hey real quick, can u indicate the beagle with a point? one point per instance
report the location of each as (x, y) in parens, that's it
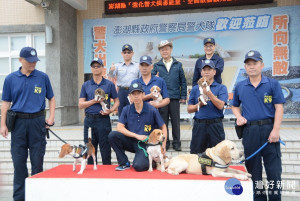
(80, 153)
(214, 161)
(203, 83)
(156, 91)
(100, 96)
(154, 149)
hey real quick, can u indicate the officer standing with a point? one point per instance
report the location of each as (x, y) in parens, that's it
(262, 111)
(95, 117)
(172, 72)
(148, 81)
(209, 49)
(27, 89)
(208, 129)
(135, 124)
(125, 72)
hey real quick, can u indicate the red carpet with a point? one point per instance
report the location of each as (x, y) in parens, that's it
(108, 172)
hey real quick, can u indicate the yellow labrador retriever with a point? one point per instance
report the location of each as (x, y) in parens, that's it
(216, 162)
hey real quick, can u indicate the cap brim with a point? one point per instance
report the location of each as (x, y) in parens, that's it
(96, 62)
(209, 66)
(255, 59)
(145, 63)
(136, 90)
(32, 59)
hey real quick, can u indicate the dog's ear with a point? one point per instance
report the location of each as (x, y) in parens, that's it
(158, 89)
(152, 88)
(152, 137)
(225, 154)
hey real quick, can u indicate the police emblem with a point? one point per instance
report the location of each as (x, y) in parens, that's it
(135, 85)
(207, 61)
(144, 58)
(126, 46)
(250, 54)
(95, 59)
(209, 39)
(33, 53)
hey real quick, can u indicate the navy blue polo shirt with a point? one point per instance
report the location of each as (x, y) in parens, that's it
(27, 94)
(154, 81)
(88, 92)
(142, 123)
(219, 63)
(209, 111)
(258, 103)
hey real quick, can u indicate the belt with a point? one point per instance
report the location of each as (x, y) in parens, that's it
(94, 116)
(261, 122)
(30, 115)
(208, 121)
(126, 88)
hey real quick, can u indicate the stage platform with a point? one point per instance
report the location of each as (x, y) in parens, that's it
(106, 184)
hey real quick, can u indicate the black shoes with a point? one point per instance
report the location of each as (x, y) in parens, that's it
(177, 148)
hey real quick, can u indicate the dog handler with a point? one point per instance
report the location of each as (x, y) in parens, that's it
(208, 129)
(148, 80)
(262, 110)
(95, 117)
(137, 121)
(27, 89)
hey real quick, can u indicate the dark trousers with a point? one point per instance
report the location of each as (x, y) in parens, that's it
(121, 143)
(172, 110)
(29, 134)
(122, 95)
(206, 135)
(100, 129)
(254, 137)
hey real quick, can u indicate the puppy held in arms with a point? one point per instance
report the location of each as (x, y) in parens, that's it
(156, 92)
(214, 161)
(81, 153)
(100, 96)
(154, 149)
(203, 83)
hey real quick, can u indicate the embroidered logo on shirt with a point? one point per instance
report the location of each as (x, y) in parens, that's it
(106, 96)
(147, 128)
(267, 99)
(37, 90)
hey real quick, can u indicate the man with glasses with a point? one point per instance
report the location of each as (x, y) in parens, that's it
(209, 49)
(95, 117)
(125, 72)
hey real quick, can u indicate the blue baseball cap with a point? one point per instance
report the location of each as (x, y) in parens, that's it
(209, 40)
(146, 59)
(29, 54)
(254, 55)
(209, 63)
(127, 47)
(97, 60)
(136, 87)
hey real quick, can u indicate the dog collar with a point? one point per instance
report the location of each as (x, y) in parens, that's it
(205, 160)
(83, 150)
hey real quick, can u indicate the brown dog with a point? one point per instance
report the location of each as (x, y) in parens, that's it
(154, 149)
(100, 96)
(222, 155)
(156, 91)
(75, 152)
(203, 83)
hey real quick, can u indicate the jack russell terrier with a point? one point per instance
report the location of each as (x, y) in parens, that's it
(154, 149)
(80, 153)
(203, 83)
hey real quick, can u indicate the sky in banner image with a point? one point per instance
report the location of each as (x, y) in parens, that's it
(272, 31)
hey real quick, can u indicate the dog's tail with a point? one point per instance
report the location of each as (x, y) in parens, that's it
(90, 140)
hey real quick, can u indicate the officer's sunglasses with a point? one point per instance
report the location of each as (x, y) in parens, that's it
(127, 52)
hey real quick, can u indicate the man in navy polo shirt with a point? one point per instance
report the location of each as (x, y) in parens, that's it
(135, 124)
(148, 81)
(208, 128)
(95, 117)
(27, 89)
(262, 111)
(209, 49)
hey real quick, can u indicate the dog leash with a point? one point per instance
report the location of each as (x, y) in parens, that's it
(242, 161)
(48, 137)
(140, 147)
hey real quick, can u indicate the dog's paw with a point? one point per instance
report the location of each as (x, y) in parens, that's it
(150, 169)
(241, 177)
(79, 173)
(162, 170)
(95, 168)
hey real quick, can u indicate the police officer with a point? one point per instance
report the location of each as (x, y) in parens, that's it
(135, 124)
(262, 111)
(208, 128)
(95, 117)
(148, 81)
(27, 89)
(172, 72)
(125, 72)
(209, 49)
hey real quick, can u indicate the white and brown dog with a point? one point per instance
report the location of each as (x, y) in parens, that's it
(154, 149)
(156, 91)
(216, 162)
(203, 83)
(100, 96)
(78, 155)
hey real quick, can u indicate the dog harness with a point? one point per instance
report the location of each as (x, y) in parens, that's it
(83, 151)
(147, 145)
(204, 160)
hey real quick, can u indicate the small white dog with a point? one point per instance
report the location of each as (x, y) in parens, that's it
(203, 83)
(100, 96)
(154, 149)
